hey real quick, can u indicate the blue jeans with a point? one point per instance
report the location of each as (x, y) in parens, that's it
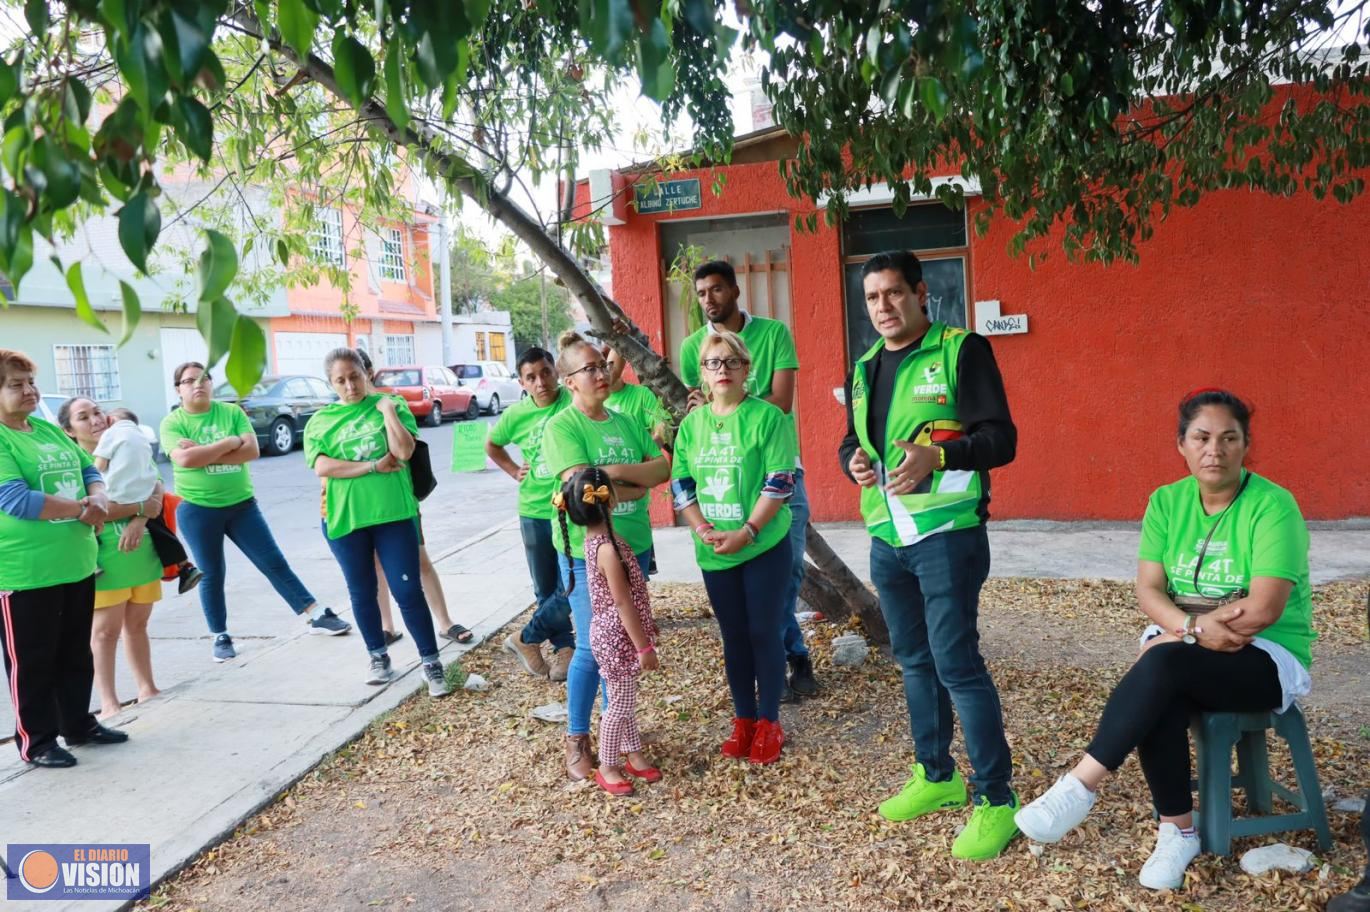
(551, 622)
(799, 510)
(205, 529)
(582, 678)
(750, 608)
(930, 597)
(396, 544)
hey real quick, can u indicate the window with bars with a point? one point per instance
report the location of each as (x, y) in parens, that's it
(399, 350)
(392, 255)
(480, 347)
(497, 347)
(328, 237)
(91, 371)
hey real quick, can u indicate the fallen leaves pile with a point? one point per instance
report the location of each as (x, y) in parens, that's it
(464, 803)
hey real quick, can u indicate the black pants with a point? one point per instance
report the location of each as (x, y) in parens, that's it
(45, 636)
(169, 549)
(1149, 711)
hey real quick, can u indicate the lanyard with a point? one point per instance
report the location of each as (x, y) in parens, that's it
(1203, 549)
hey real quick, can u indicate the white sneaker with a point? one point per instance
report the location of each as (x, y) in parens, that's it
(1164, 870)
(436, 677)
(1057, 811)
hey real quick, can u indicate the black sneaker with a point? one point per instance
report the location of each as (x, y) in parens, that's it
(190, 577)
(802, 681)
(329, 624)
(98, 734)
(223, 648)
(786, 694)
(651, 566)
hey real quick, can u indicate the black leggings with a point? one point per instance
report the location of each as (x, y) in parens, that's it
(1149, 711)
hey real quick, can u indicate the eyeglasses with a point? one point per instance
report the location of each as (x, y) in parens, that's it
(601, 368)
(731, 364)
(202, 380)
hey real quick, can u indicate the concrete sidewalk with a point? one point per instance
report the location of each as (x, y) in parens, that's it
(215, 749)
(218, 747)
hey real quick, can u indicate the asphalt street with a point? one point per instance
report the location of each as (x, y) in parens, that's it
(288, 492)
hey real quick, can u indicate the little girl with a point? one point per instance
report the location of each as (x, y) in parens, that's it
(622, 632)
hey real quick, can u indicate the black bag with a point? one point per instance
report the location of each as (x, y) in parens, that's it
(421, 470)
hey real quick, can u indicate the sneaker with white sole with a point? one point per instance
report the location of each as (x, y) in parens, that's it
(381, 671)
(1164, 870)
(223, 648)
(436, 676)
(1056, 811)
(329, 624)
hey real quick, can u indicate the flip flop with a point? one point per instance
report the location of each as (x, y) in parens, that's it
(458, 634)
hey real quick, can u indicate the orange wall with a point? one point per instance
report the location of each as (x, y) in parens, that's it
(1254, 293)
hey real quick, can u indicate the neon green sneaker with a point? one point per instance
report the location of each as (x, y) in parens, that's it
(919, 796)
(991, 828)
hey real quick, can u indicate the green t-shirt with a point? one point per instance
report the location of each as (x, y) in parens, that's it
(1261, 534)
(771, 347)
(571, 439)
(522, 425)
(44, 552)
(640, 404)
(356, 433)
(217, 485)
(124, 570)
(729, 458)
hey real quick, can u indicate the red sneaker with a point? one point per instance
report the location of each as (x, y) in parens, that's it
(767, 742)
(740, 742)
(620, 789)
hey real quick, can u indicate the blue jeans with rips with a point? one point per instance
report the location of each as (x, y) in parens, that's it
(396, 545)
(582, 677)
(799, 524)
(551, 622)
(205, 529)
(930, 597)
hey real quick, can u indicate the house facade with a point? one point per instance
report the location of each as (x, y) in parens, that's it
(1254, 293)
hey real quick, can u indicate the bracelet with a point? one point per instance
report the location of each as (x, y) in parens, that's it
(142, 504)
(703, 527)
(644, 651)
(372, 470)
(751, 530)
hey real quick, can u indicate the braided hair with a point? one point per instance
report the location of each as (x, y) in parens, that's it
(574, 507)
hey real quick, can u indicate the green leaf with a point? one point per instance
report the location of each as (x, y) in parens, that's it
(476, 11)
(197, 127)
(934, 96)
(218, 266)
(76, 101)
(139, 225)
(216, 321)
(246, 356)
(78, 291)
(396, 104)
(115, 12)
(353, 67)
(191, 44)
(63, 176)
(9, 81)
(133, 311)
(21, 255)
(654, 62)
(283, 252)
(16, 141)
(298, 23)
(610, 24)
(36, 12)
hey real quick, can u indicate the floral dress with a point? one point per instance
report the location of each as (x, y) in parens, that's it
(609, 641)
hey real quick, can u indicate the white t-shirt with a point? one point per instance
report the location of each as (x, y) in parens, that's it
(132, 475)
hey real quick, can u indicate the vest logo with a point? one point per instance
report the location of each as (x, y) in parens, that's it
(79, 871)
(931, 389)
(930, 373)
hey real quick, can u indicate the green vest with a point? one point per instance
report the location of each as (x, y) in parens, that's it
(924, 412)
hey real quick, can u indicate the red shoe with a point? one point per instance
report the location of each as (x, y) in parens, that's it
(767, 742)
(650, 774)
(619, 789)
(740, 742)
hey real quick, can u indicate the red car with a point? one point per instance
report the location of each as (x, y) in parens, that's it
(430, 392)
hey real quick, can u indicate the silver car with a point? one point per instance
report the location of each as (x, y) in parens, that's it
(495, 387)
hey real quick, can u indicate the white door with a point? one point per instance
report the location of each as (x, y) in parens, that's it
(180, 345)
(303, 352)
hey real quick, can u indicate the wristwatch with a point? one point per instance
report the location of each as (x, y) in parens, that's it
(1187, 635)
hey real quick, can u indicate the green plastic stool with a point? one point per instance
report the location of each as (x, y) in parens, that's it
(1215, 737)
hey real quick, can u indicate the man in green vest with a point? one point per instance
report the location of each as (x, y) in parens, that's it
(927, 418)
(773, 376)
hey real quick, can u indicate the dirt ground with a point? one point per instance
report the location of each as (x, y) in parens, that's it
(463, 804)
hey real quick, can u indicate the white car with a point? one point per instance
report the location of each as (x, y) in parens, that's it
(49, 403)
(495, 387)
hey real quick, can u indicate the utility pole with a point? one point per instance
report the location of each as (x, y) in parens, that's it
(542, 287)
(445, 273)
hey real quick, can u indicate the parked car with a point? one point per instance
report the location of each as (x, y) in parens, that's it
(494, 385)
(431, 393)
(279, 408)
(49, 403)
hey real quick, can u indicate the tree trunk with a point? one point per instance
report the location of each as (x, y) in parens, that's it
(836, 590)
